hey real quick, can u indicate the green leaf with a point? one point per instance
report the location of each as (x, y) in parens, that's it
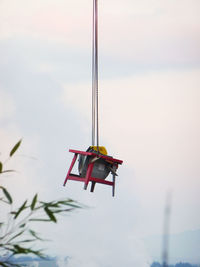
(69, 203)
(40, 220)
(8, 196)
(18, 234)
(62, 210)
(15, 148)
(72, 205)
(8, 171)
(50, 204)
(3, 264)
(20, 209)
(34, 202)
(1, 167)
(50, 214)
(34, 234)
(22, 225)
(27, 241)
(21, 250)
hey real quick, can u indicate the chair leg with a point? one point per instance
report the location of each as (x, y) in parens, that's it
(88, 174)
(113, 187)
(92, 187)
(70, 169)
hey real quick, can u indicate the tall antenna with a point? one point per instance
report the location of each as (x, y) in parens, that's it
(165, 252)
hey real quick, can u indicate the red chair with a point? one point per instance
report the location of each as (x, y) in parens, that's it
(94, 168)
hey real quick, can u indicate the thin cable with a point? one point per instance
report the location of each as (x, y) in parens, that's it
(96, 73)
(95, 107)
(93, 76)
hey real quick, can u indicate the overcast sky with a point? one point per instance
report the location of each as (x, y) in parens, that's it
(149, 70)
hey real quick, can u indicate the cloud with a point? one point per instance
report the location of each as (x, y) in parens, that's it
(6, 105)
(62, 261)
(148, 118)
(163, 34)
(148, 32)
(22, 161)
(102, 236)
(57, 21)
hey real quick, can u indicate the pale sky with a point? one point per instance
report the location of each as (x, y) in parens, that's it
(149, 70)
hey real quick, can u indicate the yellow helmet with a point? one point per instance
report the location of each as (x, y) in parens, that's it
(102, 149)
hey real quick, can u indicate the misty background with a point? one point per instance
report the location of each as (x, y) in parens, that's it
(149, 117)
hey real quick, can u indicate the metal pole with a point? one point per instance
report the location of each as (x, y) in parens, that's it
(95, 107)
(93, 75)
(96, 72)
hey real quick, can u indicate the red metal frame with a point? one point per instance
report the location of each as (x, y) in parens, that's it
(88, 178)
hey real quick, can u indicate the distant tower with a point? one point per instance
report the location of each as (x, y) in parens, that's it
(165, 252)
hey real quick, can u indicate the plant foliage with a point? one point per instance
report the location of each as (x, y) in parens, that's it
(17, 235)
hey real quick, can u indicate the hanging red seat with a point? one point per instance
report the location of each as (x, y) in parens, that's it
(93, 167)
(94, 164)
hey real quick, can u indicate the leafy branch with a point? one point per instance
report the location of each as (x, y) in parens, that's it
(16, 233)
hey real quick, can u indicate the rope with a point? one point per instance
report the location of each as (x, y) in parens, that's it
(95, 106)
(93, 77)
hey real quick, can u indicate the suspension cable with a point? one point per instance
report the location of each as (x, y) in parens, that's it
(93, 76)
(95, 106)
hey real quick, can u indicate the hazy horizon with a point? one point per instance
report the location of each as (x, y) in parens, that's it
(149, 90)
